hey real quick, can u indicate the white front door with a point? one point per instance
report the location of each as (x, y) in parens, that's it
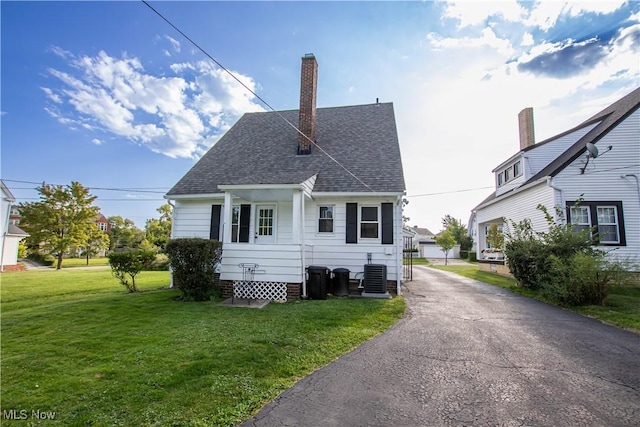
(265, 224)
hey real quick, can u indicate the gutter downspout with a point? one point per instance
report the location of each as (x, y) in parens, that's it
(399, 249)
(637, 181)
(304, 249)
(173, 212)
(550, 185)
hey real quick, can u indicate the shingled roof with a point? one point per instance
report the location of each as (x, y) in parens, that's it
(261, 148)
(607, 120)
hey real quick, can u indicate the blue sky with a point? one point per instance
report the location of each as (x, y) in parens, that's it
(110, 95)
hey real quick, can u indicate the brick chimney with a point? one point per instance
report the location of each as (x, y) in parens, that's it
(308, 93)
(525, 121)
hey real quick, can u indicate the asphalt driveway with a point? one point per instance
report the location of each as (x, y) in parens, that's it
(468, 354)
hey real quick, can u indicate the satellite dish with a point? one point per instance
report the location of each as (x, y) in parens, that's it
(592, 149)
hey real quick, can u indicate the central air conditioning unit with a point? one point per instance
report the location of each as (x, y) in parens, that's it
(375, 281)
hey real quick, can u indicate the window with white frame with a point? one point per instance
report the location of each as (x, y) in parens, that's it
(606, 219)
(369, 222)
(608, 231)
(235, 223)
(517, 170)
(580, 218)
(325, 219)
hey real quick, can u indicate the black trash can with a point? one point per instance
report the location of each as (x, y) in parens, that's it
(317, 282)
(341, 282)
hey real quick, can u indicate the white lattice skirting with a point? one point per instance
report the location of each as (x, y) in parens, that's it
(248, 289)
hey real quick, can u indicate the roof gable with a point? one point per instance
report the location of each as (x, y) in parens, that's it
(608, 119)
(261, 148)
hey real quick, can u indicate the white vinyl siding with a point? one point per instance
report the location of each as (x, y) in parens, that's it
(603, 181)
(282, 261)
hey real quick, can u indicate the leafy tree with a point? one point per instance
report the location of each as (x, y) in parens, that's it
(446, 241)
(459, 232)
(63, 219)
(97, 241)
(405, 219)
(158, 230)
(495, 238)
(127, 265)
(124, 233)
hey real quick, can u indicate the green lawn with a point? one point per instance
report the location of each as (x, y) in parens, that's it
(75, 343)
(82, 262)
(416, 261)
(622, 306)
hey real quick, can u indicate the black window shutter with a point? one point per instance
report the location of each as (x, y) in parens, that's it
(387, 223)
(214, 233)
(352, 223)
(245, 216)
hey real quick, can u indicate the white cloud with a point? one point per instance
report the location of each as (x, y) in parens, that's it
(175, 44)
(96, 141)
(52, 96)
(541, 14)
(488, 39)
(177, 116)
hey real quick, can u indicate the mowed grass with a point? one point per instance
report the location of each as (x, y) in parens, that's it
(82, 262)
(74, 343)
(621, 307)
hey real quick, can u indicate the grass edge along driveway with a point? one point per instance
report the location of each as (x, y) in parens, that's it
(621, 308)
(76, 345)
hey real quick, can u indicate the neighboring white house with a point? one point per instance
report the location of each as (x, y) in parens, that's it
(277, 200)
(11, 234)
(598, 161)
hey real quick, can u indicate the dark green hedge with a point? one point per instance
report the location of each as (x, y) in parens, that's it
(193, 262)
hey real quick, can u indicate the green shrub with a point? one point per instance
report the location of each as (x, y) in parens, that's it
(193, 262)
(464, 254)
(127, 265)
(582, 279)
(561, 262)
(473, 257)
(160, 263)
(527, 261)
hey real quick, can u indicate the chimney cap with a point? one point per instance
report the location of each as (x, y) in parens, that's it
(309, 55)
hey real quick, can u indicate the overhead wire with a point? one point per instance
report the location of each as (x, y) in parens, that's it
(257, 96)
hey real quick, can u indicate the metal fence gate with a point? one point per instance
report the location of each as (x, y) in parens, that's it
(407, 258)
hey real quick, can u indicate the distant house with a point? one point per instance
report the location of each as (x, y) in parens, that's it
(103, 223)
(11, 234)
(598, 161)
(281, 203)
(424, 242)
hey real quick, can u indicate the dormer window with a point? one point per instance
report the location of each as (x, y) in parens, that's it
(509, 173)
(516, 169)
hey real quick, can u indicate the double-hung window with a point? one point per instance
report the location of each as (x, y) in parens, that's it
(325, 219)
(603, 218)
(580, 218)
(608, 230)
(369, 222)
(235, 223)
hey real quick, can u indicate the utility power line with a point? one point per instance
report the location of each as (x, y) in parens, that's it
(257, 96)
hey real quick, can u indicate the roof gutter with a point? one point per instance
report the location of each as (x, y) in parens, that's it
(515, 191)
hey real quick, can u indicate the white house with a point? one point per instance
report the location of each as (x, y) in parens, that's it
(278, 200)
(598, 161)
(11, 234)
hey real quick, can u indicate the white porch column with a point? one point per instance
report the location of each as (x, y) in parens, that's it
(226, 222)
(297, 217)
